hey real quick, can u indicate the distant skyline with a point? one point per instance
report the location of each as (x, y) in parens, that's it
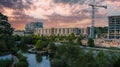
(57, 13)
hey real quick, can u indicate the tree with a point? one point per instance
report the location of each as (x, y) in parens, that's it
(91, 42)
(117, 63)
(5, 28)
(14, 50)
(52, 47)
(5, 63)
(5, 34)
(79, 40)
(17, 37)
(72, 36)
(60, 50)
(58, 63)
(10, 42)
(23, 46)
(101, 60)
(28, 39)
(38, 58)
(39, 45)
(3, 46)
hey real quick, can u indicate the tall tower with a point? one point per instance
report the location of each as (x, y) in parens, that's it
(93, 5)
(93, 20)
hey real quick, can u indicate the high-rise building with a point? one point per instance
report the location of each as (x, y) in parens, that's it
(114, 27)
(31, 26)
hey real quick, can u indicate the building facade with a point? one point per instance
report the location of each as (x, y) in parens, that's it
(31, 26)
(19, 32)
(114, 27)
(60, 31)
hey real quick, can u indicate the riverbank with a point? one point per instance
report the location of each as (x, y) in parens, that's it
(21, 61)
(4, 53)
(7, 56)
(6, 60)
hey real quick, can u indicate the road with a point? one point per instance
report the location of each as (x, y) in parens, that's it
(101, 49)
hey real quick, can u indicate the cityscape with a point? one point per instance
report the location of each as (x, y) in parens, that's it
(59, 33)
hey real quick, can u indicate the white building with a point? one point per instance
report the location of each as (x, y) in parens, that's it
(59, 31)
(19, 32)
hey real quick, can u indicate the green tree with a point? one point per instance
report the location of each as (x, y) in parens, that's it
(79, 40)
(21, 64)
(14, 50)
(5, 34)
(39, 45)
(52, 47)
(58, 63)
(71, 38)
(88, 59)
(5, 63)
(23, 46)
(17, 37)
(60, 50)
(38, 58)
(101, 60)
(117, 63)
(10, 42)
(3, 47)
(5, 28)
(91, 42)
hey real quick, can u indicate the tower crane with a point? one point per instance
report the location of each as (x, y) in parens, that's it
(93, 5)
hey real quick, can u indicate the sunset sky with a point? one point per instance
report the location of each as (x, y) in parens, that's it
(57, 13)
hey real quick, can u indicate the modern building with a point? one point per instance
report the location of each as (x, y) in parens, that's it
(114, 27)
(60, 31)
(85, 31)
(30, 27)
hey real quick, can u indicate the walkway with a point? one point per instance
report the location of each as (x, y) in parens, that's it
(16, 60)
(102, 49)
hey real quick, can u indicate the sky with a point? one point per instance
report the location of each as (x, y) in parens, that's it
(57, 13)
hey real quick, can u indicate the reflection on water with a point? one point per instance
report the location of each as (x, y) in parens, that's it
(37, 60)
(6, 57)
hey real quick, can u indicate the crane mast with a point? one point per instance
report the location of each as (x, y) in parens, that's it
(93, 5)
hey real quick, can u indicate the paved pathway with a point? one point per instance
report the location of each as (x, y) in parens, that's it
(15, 60)
(103, 49)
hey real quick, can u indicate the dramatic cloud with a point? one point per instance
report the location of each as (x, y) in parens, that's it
(70, 1)
(16, 4)
(57, 13)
